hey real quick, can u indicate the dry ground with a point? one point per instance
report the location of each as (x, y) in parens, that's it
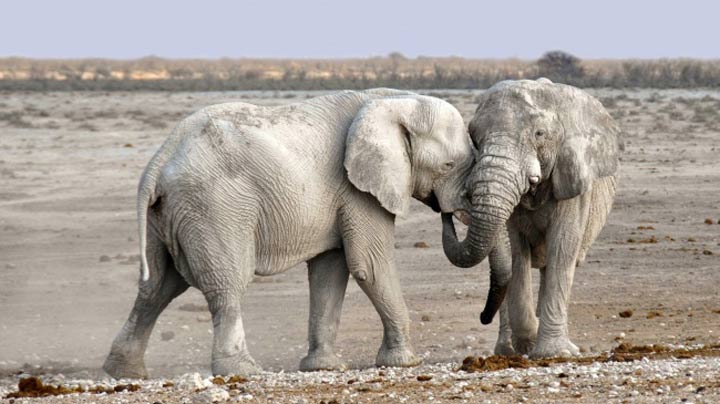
(69, 165)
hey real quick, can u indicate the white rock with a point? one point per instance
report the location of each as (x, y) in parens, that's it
(211, 395)
(191, 381)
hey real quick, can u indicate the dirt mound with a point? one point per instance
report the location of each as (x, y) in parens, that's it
(625, 352)
(34, 387)
(491, 363)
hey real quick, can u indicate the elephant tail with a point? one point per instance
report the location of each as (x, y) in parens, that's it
(148, 194)
(150, 187)
(146, 197)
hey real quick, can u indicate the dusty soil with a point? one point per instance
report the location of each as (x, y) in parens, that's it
(69, 165)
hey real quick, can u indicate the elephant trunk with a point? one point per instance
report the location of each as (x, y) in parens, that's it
(493, 203)
(500, 273)
(498, 182)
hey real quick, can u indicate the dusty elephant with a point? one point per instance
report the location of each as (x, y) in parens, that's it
(548, 154)
(239, 190)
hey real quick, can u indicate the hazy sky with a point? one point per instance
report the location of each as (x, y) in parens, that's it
(359, 28)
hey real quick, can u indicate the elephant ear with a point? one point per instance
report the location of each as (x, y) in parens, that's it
(377, 152)
(589, 149)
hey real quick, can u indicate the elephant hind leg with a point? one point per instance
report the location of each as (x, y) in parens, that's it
(222, 265)
(328, 275)
(128, 349)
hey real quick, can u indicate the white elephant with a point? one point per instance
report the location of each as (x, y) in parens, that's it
(548, 154)
(239, 190)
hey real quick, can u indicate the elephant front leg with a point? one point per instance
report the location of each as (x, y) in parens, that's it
(328, 275)
(369, 241)
(383, 289)
(504, 345)
(563, 245)
(521, 313)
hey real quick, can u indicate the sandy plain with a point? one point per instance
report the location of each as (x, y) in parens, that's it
(69, 166)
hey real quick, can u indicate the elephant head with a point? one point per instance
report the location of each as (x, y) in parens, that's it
(536, 140)
(403, 146)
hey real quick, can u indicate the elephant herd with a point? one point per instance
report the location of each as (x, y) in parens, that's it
(239, 190)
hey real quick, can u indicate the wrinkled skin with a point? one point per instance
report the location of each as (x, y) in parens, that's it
(545, 174)
(239, 190)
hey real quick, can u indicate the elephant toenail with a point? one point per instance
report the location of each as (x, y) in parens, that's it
(534, 179)
(360, 275)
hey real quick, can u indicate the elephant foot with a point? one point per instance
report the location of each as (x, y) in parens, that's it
(397, 357)
(121, 368)
(560, 347)
(523, 345)
(321, 361)
(504, 348)
(235, 366)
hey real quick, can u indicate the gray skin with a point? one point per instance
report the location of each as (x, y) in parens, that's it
(239, 190)
(548, 154)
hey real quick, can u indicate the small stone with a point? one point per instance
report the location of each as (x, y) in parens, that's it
(211, 395)
(424, 378)
(421, 244)
(708, 221)
(167, 335)
(105, 258)
(626, 313)
(425, 317)
(191, 381)
(707, 252)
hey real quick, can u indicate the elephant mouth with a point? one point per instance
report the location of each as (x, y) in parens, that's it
(463, 216)
(533, 189)
(431, 201)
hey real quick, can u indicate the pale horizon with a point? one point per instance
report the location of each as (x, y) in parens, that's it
(82, 29)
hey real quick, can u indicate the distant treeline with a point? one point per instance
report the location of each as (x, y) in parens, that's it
(395, 70)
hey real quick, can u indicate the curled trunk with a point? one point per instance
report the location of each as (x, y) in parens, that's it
(492, 207)
(495, 194)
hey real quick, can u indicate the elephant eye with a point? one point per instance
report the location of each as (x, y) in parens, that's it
(539, 133)
(449, 165)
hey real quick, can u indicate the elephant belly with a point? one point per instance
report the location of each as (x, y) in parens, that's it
(300, 236)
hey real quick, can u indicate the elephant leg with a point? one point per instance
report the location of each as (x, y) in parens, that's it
(230, 355)
(521, 313)
(384, 292)
(128, 349)
(328, 275)
(222, 264)
(368, 239)
(541, 292)
(504, 345)
(564, 239)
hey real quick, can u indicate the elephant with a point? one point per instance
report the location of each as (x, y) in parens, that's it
(544, 177)
(239, 190)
